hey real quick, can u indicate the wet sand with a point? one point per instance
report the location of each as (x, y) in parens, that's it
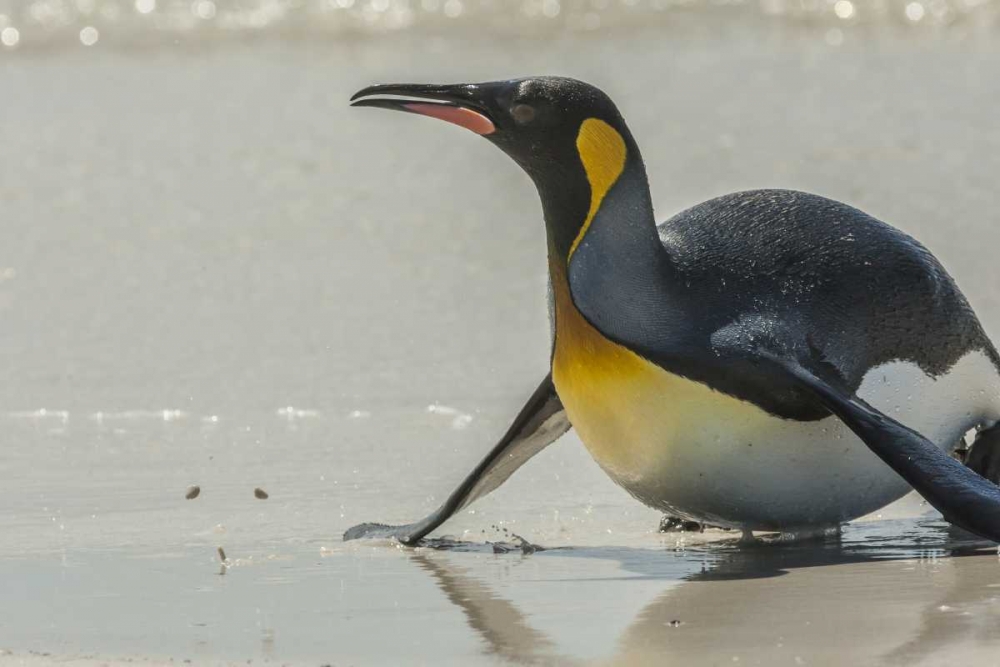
(215, 273)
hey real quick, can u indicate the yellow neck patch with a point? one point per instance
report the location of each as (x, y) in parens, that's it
(602, 152)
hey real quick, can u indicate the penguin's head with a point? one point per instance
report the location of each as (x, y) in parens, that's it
(566, 134)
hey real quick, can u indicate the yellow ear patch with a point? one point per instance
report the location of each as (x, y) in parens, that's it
(602, 151)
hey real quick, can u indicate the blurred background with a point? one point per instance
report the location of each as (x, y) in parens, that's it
(214, 272)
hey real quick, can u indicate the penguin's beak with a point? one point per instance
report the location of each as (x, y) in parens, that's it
(460, 104)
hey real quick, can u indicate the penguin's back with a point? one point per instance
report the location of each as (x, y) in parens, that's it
(856, 288)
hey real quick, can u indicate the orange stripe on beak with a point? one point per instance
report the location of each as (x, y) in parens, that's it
(467, 118)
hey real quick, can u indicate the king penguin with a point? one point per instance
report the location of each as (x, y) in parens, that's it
(766, 360)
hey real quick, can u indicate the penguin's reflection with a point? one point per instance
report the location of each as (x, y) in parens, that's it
(898, 599)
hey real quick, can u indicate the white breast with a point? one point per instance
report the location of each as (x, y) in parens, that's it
(688, 450)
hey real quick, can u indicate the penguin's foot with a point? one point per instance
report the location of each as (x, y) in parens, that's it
(674, 524)
(984, 455)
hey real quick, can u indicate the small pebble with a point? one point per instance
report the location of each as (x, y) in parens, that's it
(260, 493)
(193, 492)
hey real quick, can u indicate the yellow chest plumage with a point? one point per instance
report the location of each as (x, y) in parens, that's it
(626, 410)
(600, 384)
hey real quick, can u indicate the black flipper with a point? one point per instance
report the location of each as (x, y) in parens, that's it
(964, 498)
(540, 423)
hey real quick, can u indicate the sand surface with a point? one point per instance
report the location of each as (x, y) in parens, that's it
(215, 273)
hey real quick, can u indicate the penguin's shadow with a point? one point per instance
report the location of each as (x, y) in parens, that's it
(723, 598)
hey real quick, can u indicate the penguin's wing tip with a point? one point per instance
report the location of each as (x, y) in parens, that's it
(965, 498)
(379, 531)
(540, 423)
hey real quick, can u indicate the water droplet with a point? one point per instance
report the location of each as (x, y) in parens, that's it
(844, 9)
(89, 36)
(915, 11)
(204, 9)
(10, 36)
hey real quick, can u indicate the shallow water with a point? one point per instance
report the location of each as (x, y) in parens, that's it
(214, 273)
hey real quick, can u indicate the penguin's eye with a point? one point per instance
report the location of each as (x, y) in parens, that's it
(523, 113)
